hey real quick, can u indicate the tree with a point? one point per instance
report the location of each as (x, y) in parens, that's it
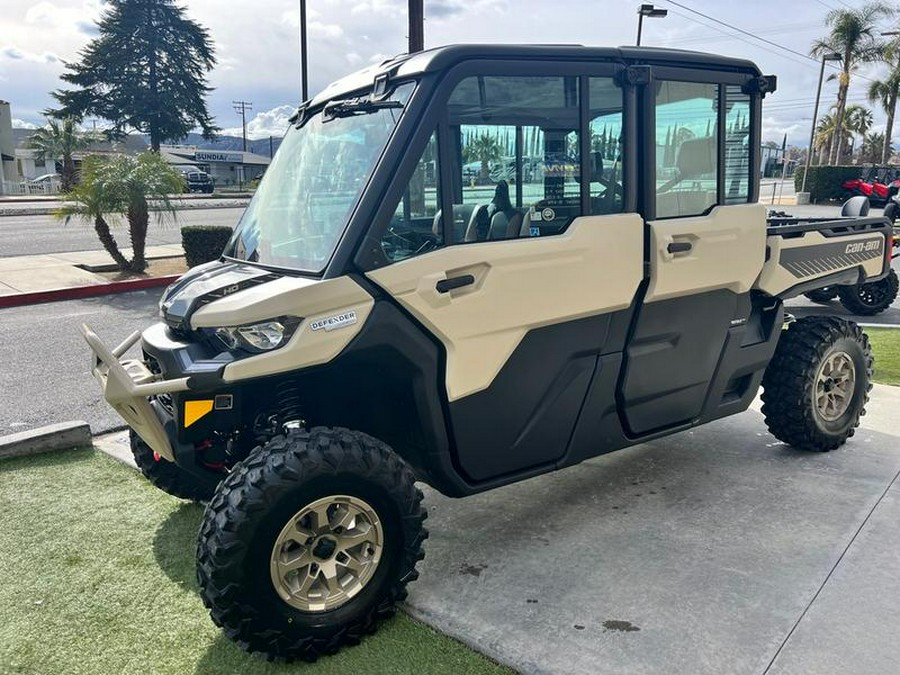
(485, 149)
(886, 92)
(121, 187)
(854, 36)
(60, 139)
(146, 71)
(856, 120)
(870, 150)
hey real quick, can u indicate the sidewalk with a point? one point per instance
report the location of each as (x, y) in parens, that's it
(30, 279)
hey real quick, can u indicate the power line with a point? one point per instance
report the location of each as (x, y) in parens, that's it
(806, 57)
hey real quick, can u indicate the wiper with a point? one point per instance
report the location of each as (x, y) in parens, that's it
(357, 106)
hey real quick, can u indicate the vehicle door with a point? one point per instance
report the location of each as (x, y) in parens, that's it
(706, 242)
(509, 245)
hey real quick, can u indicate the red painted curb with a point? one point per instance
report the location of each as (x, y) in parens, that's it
(78, 292)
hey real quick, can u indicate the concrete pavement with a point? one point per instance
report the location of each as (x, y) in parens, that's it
(719, 550)
(33, 273)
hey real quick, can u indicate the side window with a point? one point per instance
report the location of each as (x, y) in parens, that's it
(415, 226)
(607, 195)
(517, 162)
(737, 146)
(686, 148)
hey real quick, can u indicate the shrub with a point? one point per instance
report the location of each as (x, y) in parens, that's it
(824, 182)
(204, 243)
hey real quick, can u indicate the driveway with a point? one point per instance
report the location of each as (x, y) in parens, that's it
(718, 550)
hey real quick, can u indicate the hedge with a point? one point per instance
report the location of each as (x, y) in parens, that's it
(203, 243)
(824, 182)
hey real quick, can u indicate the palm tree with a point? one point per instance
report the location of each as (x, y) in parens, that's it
(61, 139)
(857, 120)
(825, 135)
(113, 188)
(485, 149)
(870, 150)
(886, 92)
(854, 36)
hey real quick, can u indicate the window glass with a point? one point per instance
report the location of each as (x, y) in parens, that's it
(737, 146)
(606, 146)
(415, 225)
(686, 148)
(518, 157)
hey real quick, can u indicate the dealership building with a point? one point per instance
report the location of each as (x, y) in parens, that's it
(226, 167)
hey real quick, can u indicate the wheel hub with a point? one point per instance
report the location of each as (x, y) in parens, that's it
(835, 386)
(326, 553)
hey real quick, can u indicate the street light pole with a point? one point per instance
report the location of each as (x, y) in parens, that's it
(812, 132)
(416, 26)
(652, 12)
(304, 74)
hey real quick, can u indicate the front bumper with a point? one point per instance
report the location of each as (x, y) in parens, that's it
(126, 386)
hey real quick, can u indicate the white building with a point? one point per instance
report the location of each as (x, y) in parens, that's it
(226, 167)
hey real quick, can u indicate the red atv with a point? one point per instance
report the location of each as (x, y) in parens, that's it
(878, 188)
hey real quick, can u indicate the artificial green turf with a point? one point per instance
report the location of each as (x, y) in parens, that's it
(97, 576)
(886, 347)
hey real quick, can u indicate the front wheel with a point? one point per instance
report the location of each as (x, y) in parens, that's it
(816, 387)
(309, 542)
(872, 298)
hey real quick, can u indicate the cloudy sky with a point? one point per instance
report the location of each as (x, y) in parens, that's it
(257, 45)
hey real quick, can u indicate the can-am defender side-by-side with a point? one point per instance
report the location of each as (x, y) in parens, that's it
(467, 267)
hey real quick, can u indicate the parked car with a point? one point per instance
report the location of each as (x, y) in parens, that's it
(198, 181)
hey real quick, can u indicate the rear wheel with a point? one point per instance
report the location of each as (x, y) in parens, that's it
(816, 387)
(822, 295)
(309, 542)
(871, 298)
(167, 476)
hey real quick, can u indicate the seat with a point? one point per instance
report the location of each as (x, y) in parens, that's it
(462, 213)
(479, 224)
(505, 224)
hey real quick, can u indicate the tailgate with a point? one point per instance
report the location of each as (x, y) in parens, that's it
(804, 256)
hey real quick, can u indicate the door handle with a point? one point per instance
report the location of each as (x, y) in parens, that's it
(679, 247)
(447, 285)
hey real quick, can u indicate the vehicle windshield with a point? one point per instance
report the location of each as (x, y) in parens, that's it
(303, 203)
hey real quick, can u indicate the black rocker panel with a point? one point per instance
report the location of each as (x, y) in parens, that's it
(526, 417)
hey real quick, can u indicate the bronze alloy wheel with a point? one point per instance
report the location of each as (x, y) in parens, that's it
(835, 386)
(327, 553)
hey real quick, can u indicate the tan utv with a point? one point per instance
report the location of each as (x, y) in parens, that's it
(468, 267)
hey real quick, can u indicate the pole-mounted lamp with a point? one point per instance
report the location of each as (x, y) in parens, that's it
(650, 11)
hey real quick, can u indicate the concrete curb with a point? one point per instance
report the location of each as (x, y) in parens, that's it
(78, 292)
(62, 436)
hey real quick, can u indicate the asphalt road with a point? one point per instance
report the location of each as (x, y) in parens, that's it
(35, 235)
(44, 361)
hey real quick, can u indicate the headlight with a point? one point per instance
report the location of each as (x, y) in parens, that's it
(258, 337)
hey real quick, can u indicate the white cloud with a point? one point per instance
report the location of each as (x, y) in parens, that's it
(22, 124)
(272, 122)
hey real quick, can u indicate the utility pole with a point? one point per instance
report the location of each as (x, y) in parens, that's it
(304, 73)
(241, 107)
(416, 26)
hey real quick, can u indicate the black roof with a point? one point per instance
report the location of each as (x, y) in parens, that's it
(441, 58)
